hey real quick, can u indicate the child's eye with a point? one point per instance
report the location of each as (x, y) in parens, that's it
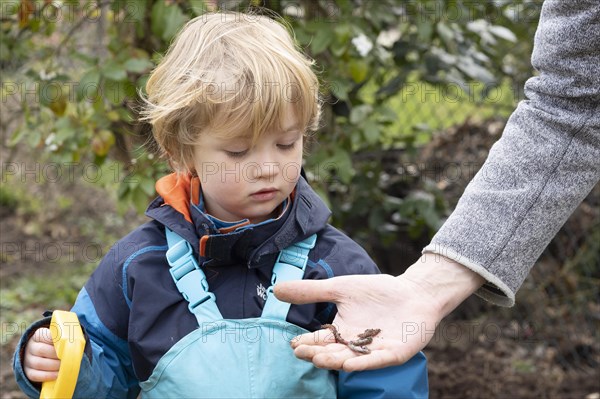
(236, 154)
(286, 147)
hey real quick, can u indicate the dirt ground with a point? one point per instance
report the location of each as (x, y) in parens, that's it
(545, 347)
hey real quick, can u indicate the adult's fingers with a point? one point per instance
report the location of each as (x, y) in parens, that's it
(340, 357)
(331, 356)
(320, 337)
(307, 291)
(375, 360)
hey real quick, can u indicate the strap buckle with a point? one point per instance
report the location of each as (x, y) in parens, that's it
(190, 279)
(181, 259)
(194, 288)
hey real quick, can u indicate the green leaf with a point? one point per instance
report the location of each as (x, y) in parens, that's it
(87, 88)
(129, 89)
(137, 65)
(167, 19)
(371, 131)
(503, 33)
(123, 190)
(115, 92)
(338, 49)
(376, 218)
(358, 70)
(424, 30)
(17, 136)
(140, 199)
(102, 142)
(340, 88)
(114, 72)
(393, 86)
(84, 57)
(49, 92)
(445, 32)
(343, 32)
(175, 19)
(360, 113)
(321, 40)
(312, 26)
(342, 165)
(474, 70)
(386, 114)
(125, 115)
(64, 129)
(141, 83)
(4, 53)
(135, 9)
(198, 7)
(156, 17)
(147, 186)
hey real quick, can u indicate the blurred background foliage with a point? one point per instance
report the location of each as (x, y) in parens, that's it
(415, 93)
(392, 72)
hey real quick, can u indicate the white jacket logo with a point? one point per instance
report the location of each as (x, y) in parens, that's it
(261, 291)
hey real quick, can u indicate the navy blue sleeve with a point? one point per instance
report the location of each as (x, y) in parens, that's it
(108, 372)
(407, 381)
(103, 312)
(340, 255)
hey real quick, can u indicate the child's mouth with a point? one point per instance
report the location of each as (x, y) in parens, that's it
(264, 195)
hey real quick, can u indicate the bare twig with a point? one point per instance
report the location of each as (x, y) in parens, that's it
(74, 28)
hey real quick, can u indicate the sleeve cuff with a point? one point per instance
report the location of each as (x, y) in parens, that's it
(30, 389)
(494, 290)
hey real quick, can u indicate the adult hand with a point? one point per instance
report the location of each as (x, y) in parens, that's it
(41, 362)
(406, 308)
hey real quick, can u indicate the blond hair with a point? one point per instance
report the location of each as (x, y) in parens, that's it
(228, 73)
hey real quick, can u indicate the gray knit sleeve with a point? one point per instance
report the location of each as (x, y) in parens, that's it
(546, 162)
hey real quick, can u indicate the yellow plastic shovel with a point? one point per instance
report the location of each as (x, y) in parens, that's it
(69, 343)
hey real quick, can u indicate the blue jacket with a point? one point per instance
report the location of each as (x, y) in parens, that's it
(133, 314)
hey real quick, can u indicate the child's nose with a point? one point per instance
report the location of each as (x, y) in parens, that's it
(267, 167)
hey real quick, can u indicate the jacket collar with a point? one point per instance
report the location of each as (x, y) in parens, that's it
(255, 246)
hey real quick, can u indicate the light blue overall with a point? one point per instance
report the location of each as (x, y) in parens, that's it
(246, 358)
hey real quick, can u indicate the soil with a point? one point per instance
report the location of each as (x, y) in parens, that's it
(545, 346)
(541, 348)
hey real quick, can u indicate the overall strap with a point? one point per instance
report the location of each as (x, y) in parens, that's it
(190, 279)
(290, 266)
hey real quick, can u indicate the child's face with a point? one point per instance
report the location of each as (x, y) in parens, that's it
(240, 181)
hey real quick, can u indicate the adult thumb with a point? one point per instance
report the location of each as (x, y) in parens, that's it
(306, 291)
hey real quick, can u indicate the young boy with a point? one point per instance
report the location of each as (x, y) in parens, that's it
(230, 105)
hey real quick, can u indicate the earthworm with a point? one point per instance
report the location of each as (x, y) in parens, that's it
(357, 345)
